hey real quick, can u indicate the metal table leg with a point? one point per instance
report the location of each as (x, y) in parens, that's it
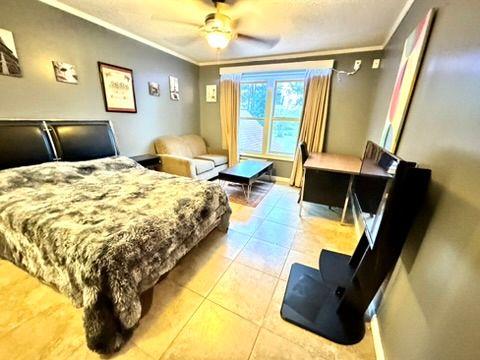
(345, 206)
(243, 189)
(301, 192)
(248, 192)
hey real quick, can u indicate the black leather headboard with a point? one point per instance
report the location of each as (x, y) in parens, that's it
(24, 143)
(28, 142)
(77, 141)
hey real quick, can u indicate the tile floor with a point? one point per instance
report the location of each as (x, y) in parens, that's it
(222, 301)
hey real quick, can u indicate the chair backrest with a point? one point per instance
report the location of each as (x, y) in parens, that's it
(196, 144)
(172, 145)
(303, 151)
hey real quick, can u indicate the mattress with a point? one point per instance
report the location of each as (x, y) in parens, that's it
(102, 232)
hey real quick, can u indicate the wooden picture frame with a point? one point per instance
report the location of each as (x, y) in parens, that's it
(118, 88)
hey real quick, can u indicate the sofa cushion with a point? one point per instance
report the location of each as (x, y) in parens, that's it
(172, 145)
(202, 166)
(196, 144)
(217, 159)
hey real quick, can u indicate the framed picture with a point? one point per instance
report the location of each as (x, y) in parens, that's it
(118, 88)
(211, 93)
(9, 63)
(154, 89)
(174, 92)
(65, 73)
(413, 50)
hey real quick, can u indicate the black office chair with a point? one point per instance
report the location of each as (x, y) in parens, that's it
(304, 153)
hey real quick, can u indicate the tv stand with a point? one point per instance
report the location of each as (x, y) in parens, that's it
(331, 301)
(312, 304)
(335, 268)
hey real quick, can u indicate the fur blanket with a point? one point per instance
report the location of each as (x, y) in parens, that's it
(102, 232)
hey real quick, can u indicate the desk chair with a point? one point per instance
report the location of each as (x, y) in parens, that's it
(304, 152)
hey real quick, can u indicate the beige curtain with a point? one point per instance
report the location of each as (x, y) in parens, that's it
(314, 118)
(229, 111)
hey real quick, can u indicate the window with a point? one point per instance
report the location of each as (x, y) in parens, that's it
(253, 97)
(271, 106)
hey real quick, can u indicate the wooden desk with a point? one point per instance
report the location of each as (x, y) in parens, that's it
(327, 179)
(334, 163)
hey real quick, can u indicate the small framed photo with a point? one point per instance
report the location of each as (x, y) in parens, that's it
(154, 88)
(211, 93)
(174, 91)
(118, 88)
(65, 73)
(9, 63)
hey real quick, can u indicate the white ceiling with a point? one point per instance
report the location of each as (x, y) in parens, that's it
(304, 26)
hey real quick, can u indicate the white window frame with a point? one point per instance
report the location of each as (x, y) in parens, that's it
(271, 79)
(264, 119)
(277, 67)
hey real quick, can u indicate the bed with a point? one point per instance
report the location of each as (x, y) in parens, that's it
(98, 227)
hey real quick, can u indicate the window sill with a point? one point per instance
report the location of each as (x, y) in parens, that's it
(267, 157)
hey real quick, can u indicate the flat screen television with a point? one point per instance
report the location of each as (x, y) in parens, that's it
(370, 189)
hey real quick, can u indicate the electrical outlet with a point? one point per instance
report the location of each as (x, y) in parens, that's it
(376, 64)
(357, 65)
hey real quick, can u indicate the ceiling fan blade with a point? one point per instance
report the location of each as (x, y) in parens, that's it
(207, 2)
(216, 2)
(268, 42)
(183, 40)
(157, 17)
(236, 23)
(220, 4)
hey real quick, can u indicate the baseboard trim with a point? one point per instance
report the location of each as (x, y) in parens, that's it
(377, 339)
(281, 179)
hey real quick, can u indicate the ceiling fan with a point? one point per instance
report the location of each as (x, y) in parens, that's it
(219, 29)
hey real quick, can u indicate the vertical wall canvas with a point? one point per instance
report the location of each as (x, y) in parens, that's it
(65, 73)
(9, 63)
(413, 50)
(118, 90)
(174, 91)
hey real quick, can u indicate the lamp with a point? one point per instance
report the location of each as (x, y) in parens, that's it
(218, 39)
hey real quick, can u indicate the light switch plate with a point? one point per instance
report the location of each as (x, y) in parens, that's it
(357, 65)
(376, 64)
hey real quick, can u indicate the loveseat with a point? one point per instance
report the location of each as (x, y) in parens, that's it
(189, 156)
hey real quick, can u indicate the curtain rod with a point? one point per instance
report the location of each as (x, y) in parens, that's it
(301, 65)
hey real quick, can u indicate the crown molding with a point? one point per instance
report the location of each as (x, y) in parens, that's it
(114, 28)
(294, 55)
(398, 21)
(68, 9)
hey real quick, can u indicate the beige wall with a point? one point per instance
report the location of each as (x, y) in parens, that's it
(349, 112)
(431, 306)
(43, 34)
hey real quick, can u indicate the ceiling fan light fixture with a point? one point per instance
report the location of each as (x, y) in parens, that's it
(218, 39)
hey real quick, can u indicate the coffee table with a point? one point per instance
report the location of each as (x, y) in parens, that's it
(246, 173)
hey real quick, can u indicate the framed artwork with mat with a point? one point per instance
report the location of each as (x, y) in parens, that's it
(118, 88)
